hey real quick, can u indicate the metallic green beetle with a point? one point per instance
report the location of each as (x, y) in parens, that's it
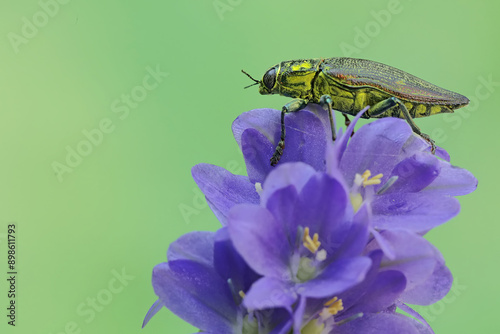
(348, 85)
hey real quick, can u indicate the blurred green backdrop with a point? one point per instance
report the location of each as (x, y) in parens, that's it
(154, 88)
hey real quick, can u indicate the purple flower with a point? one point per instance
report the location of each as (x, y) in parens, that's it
(412, 189)
(204, 283)
(384, 163)
(369, 307)
(327, 242)
(416, 275)
(428, 278)
(303, 239)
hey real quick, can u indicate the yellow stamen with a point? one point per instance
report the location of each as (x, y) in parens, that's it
(331, 301)
(311, 244)
(334, 306)
(367, 181)
(242, 294)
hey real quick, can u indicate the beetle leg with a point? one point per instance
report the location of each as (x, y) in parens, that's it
(291, 106)
(327, 100)
(414, 126)
(430, 141)
(382, 106)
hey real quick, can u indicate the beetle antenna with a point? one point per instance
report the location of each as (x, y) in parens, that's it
(248, 75)
(251, 85)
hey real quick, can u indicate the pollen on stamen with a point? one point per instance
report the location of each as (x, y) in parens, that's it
(242, 294)
(332, 307)
(366, 180)
(312, 244)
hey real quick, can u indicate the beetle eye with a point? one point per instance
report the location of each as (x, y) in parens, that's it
(270, 78)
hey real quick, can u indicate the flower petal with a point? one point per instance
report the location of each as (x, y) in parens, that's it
(269, 292)
(260, 239)
(322, 115)
(332, 167)
(380, 323)
(296, 174)
(266, 121)
(336, 278)
(322, 208)
(281, 204)
(414, 173)
(452, 181)
(230, 265)
(425, 327)
(258, 132)
(195, 246)
(375, 146)
(155, 308)
(384, 245)
(222, 189)
(195, 293)
(298, 315)
(283, 320)
(416, 212)
(357, 237)
(341, 142)
(433, 289)
(441, 152)
(415, 257)
(351, 296)
(305, 139)
(257, 150)
(382, 293)
(416, 143)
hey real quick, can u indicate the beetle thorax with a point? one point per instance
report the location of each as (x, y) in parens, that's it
(296, 78)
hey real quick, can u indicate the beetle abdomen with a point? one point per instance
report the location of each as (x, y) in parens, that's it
(357, 73)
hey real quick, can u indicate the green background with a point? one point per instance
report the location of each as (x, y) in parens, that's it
(120, 206)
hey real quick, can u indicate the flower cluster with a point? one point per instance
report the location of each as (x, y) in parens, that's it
(329, 241)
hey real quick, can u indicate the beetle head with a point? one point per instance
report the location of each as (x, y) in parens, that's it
(268, 83)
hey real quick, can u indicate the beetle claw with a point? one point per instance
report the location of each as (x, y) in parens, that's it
(278, 153)
(430, 141)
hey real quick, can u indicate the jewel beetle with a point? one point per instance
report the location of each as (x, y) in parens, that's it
(349, 85)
